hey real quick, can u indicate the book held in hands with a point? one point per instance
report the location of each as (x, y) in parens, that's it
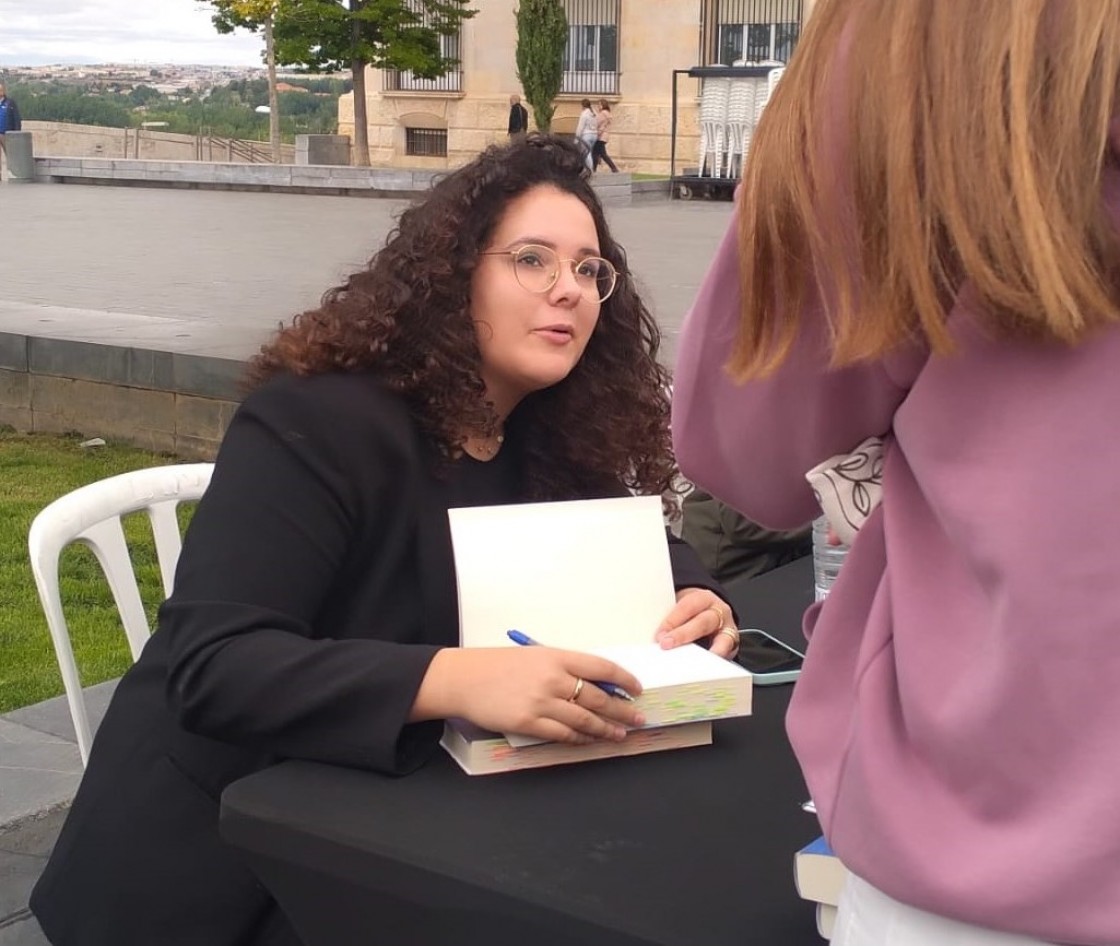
(592, 576)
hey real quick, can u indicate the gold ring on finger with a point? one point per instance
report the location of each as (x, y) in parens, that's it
(577, 691)
(720, 619)
(733, 633)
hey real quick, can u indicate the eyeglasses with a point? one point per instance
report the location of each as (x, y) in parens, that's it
(537, 269)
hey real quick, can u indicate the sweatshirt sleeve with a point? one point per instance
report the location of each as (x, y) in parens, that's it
(248, 663)
(751, 444)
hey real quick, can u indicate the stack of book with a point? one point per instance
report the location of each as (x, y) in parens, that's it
(479, 752)
(820, 877)
(685, 689)
(591, 576)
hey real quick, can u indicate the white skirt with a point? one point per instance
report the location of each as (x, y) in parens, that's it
(868, 917)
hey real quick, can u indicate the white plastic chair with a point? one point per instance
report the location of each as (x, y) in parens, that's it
(772, 80)
(713, 123)
(92, 515)
(740, 121)
(773, 77)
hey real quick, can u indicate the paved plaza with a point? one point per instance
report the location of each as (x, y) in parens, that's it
(212, 272)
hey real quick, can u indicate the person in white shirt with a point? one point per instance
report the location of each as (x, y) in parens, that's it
(587, 133)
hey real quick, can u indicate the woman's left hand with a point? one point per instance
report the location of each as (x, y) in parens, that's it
(695, 616)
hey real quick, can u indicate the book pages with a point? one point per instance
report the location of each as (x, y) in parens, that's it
(571, 574)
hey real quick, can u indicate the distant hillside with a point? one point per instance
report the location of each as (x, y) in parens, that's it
(307, 106)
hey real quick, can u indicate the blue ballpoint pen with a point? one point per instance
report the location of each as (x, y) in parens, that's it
(612, 689)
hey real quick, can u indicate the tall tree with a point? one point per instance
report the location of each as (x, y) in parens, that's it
(258, 16)
(333, 35)
(542, 35)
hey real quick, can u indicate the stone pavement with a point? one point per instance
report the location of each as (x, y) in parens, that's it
(39, 772)
(211, 273)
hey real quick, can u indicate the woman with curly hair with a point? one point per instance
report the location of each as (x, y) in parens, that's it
(494, 351)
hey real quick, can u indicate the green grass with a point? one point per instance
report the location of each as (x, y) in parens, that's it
(648, 177)
(34, 470)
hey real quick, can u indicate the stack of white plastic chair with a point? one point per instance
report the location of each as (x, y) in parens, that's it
(740, 121)
(772, 79)
(713, 124)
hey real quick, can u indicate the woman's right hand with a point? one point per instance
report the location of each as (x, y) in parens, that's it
(528, 690)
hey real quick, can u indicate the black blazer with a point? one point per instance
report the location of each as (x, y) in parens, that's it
(301, 625)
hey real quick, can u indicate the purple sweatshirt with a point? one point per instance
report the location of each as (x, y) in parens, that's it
(958, 717)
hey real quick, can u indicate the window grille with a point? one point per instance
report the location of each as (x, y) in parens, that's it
(450, 46)
(751, 31)
(591, 58)
(426, 142)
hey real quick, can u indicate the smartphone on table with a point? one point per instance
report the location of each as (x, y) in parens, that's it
(769, 660)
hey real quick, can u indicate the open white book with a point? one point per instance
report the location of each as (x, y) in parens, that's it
(593, 576)
(578, 575)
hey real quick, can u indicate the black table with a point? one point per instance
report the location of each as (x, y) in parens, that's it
(686, 848)
(775, 601)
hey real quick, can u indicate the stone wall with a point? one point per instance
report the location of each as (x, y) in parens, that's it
(161, 401)
(61, 139)
(294, 178)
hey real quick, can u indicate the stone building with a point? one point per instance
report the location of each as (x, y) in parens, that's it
(623, 51)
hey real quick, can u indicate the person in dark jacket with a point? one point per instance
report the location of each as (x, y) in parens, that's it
(731, 546)
(518, 118)
(314, 614)
(9, 120)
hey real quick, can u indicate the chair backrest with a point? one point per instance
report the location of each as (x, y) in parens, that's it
(713, 99)
(91, 515)
(772, 80)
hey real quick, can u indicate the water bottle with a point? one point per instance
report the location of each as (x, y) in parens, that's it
(827, 559)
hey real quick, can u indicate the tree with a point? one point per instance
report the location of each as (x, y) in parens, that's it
(255, 16)
(542, 35)
(333, 35)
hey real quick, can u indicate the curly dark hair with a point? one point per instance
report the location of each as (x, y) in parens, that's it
(406, 318)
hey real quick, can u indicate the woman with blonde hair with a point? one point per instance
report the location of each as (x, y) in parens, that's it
(926, 248)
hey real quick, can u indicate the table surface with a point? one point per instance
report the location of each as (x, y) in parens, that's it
(680, 848)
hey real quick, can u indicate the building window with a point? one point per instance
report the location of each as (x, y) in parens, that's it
(450, 45)
(752, 31)
(426, 142)
(591, 56)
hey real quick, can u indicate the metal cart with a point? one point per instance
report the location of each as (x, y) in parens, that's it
(691, 182)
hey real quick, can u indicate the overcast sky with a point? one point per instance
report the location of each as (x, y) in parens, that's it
(37, 32)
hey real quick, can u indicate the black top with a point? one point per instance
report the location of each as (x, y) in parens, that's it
(315, 585)
(518, 119)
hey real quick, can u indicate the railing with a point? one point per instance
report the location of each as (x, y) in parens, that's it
(590, 83)
(211, 148)
(394, 80)
(591, 57)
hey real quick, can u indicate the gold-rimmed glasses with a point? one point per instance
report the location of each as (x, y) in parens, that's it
(537, 269)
